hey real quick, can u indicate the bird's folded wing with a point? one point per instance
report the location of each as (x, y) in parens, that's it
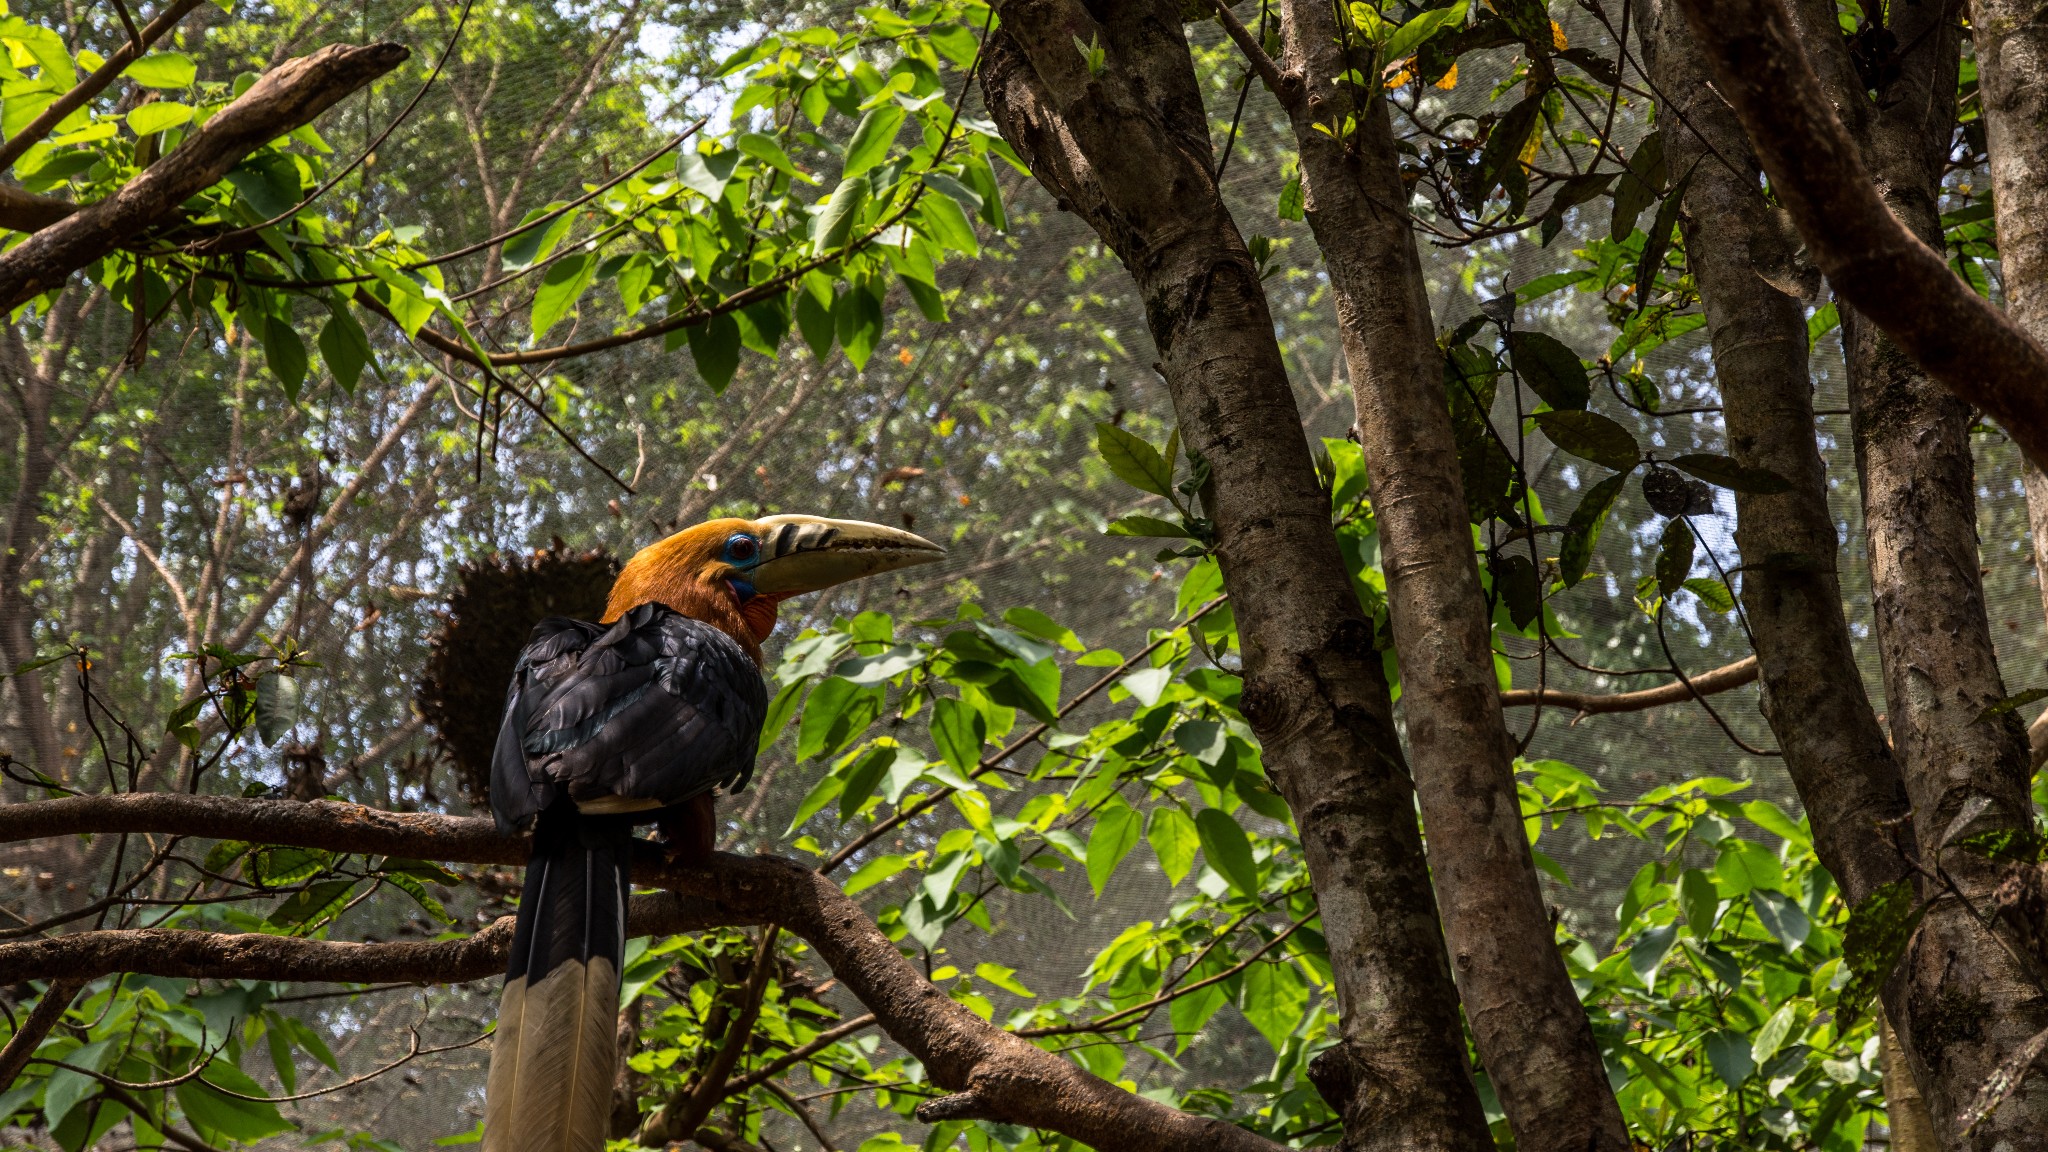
(657, 706)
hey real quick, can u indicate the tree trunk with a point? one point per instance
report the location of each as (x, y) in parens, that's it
(1532, 1033)
(2011, 38)
(1813, 696)
(1968, 1004)
(1128, 150)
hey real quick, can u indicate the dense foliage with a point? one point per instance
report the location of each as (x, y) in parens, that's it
(789, 265)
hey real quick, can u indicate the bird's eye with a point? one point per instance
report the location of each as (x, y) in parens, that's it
(742, 549)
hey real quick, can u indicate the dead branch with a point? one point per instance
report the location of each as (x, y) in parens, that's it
(1873, 260)
(1720, 679)
(285, 98)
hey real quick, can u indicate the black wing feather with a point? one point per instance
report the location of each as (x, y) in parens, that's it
(655, 706)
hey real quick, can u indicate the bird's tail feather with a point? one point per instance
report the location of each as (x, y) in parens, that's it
(553, 1056)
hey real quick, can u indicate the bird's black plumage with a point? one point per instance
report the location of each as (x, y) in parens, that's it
(655, 706)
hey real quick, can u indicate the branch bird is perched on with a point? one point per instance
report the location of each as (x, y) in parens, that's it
(643, 716)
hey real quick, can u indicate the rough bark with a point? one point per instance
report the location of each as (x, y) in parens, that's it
(1875, 261)
(992, 1074)
(2011, 38)
(287, 97)
(1532, 1034)
(26, 1039)
(1967, 1003)
(1813, 695)
(1128, 151)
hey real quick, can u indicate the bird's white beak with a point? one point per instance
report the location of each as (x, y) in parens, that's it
(807, 553)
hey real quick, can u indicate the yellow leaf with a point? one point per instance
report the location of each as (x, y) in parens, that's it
(1557, 39)
(1450, 79)
(1398, 73)
(1528, 155)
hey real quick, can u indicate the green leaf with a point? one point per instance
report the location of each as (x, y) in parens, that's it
(814, 320)
(416, 888)
(1880, 926)
(1639, 186)
(1140, 525)
(1658, 242)
(958, 732)
(822, 793)
(1134, 461)
(1191, 1011)
(767, 151)
(946, 222)
(163, 70)
(1728, 474)
(1646, 955)
(780, 710)
(224, 854)
(310, 905)
(285, 354)
(715, 347)
(857, 321)
(861, 777)
(874, 872)
(1171, 832)
(1503, 150)
(1114, 835)
(1699, 901)
(1274, 999)
(1591, 436)
(1293, 200)
(1781, 917)
(345, 347)
(269, 184)
(1825, 319)
(835, 714)
(706, 173)
(1745, 866)
(871, 141)
(1674, 556)
(559, 290)
(1515, 579)
(1550, 369)
(1004, 978)
(67, 1089)
(841, 212)
(158, 116)
(277, 707)
(1415, 32)
(534, 245)
(1582, 532)
(1728, 1054)
(1713, 594)
(1773, 1035)
(1228, 850)
(241, 1120)
(1772, 818)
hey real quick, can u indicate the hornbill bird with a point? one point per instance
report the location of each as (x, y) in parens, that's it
(643, 716)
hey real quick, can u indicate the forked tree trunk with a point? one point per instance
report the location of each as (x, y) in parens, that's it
(1813, 697)
(1127, 149)
(1968, 1004)
(1532, 1033)
(2011, 38)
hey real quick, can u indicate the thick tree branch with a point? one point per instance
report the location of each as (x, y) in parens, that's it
(25, 211)
(1873, 260)
(1720, 679)
(29, 1036)
(251, 956)
(1008, 1078)
(285, 98)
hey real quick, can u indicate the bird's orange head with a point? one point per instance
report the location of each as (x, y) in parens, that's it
(734, 573)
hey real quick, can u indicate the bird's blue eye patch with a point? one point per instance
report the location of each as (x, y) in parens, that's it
(742, 550)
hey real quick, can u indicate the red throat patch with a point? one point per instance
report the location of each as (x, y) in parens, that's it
(759, 612)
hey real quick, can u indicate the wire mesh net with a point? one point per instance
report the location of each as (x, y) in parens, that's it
(977, 432)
